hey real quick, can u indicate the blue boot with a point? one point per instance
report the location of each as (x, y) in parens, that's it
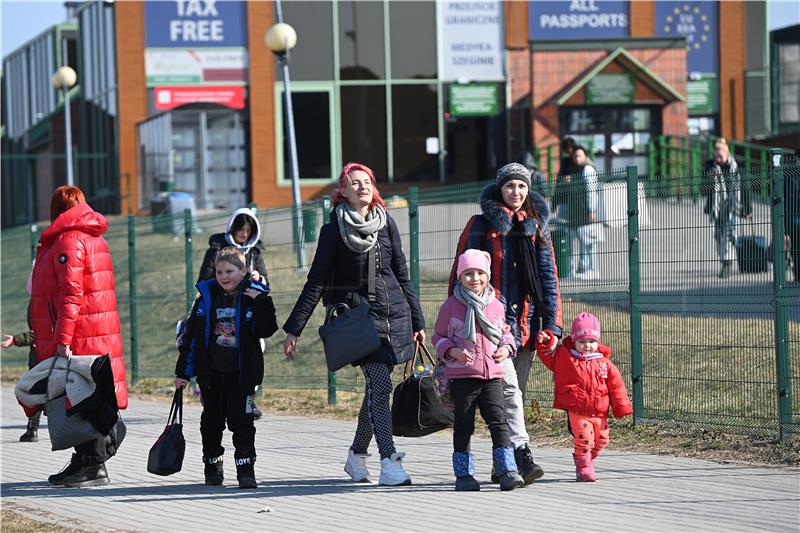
(506, 468)
(464, 469)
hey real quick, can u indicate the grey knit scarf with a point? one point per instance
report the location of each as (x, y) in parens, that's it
(360, 233)
(475, 305)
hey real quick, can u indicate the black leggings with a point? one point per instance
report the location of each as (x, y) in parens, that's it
(469, 394)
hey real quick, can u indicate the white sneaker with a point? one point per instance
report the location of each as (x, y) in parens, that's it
(356, 466)
(392, 472)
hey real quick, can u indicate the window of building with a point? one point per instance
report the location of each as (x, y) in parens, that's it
(789, 84)
(413, 38)
(364, 127)
(361, 43)
(414, 120)
(312, 58)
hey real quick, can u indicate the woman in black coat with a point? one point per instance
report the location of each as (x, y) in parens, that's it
(340, 270)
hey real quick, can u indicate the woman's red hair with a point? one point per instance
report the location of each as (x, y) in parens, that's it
(63, 198)
(337, 195)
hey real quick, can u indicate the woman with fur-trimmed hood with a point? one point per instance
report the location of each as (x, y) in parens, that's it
(243, 232)
(512, 227)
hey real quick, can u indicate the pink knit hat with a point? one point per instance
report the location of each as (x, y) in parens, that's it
(473, 258)
(585, 326)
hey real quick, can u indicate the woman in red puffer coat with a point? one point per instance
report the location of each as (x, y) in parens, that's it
(73, 311)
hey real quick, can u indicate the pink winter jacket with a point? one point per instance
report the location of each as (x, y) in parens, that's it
(448, 334)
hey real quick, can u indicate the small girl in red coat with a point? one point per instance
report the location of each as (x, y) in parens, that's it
(586, 381)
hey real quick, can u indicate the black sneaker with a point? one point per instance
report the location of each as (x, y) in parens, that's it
(257, 413)
(528, 470)
(31, 435)
(90, 475)
(213, 470)
(71, 468)
(245, 473)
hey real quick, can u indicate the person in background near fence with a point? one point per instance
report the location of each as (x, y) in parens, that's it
(725, 201)
(73, 312)
(472, 339)
(221, 347)
(340, 270)
(513, 228)
(243, 232)
(586, 382)
(582, 213)
(25, 338)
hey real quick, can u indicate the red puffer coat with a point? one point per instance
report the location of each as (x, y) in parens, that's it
(72, 292)
(586, 387)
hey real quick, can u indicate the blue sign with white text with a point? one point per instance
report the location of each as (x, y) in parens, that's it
(698, 22)
(195, 24)
(578, 19)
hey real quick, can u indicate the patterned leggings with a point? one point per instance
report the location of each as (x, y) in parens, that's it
(375, 416)
(590, 433)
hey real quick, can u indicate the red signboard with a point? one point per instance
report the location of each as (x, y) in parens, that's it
(172, 97)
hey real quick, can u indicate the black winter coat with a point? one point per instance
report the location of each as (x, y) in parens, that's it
(341, 274)
(255, 260)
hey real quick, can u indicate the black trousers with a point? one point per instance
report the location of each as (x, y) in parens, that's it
(469, 394)
(226, 400)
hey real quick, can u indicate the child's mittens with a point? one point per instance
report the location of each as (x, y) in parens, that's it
(546, 341)
(621, 410)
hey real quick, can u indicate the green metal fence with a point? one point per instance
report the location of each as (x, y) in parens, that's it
(694, 348)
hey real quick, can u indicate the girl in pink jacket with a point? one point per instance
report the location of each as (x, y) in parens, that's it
(472, 340)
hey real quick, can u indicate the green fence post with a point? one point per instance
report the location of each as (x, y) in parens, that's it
(662, 156)
(780, 297)
(635, 294)
(413, 225)
(34, 240)
(132, 299)
(187, 249)
(709, 148)
(763, 166)
(326, 209)
(549, 162)
(748, 159)
(651, 159)
(537, 154)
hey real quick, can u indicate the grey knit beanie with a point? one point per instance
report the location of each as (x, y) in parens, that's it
(513, 171)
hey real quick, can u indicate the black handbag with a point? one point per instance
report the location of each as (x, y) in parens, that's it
(348, 334)
(166, 455)
(416, 408)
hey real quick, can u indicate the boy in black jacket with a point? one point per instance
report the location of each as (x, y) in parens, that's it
(221, 348)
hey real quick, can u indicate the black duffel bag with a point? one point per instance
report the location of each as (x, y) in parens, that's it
(416, 408)
(166, 455)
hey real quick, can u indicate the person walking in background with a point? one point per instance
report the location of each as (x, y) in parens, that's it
(725, 201)
(582, 211)
(244, 233)
(472, 339)
(341, 270)
(221, 347)
(25, 338)
(73, 312)
(513, 228)
(586, 383)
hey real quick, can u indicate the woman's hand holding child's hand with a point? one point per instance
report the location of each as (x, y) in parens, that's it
(252, 293)
(180, 383)
(461, 355)
(501, 354)
(289, 346)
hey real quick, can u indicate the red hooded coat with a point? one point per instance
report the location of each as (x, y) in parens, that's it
(72, 292)
(586, 387)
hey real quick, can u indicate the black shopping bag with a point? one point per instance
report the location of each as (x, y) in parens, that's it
(416, 408)
(166, 455)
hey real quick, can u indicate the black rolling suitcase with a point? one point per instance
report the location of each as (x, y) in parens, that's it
(751, 252)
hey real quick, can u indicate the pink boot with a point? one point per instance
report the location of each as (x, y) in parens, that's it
(584, 470)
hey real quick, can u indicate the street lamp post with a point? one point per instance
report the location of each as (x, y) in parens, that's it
(64, 79)
(280, 39)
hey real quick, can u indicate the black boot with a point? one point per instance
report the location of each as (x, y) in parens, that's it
(257, 412)
(213, 470)
(32, 432)
(72, 467)
(91, 474)
(529, 470)
(245, 472)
